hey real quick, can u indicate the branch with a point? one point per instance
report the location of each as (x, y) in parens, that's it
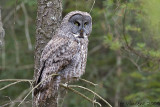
(13, 102)
(21, 80)
(36, 87)
(11, 13)
(89, 82)
(26, 27)
(82, 95)
(95, 49)
(67, 87)
(77, 86)
(16, 44)
(92, 6)
(9, 85)
(19, 97)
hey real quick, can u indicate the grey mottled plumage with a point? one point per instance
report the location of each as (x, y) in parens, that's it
(65, 54)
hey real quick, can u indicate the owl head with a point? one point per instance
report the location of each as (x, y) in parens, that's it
(78, 24)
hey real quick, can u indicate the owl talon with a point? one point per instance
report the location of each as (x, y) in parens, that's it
(65, 84)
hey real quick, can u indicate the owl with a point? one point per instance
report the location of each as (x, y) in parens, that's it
(64, 55)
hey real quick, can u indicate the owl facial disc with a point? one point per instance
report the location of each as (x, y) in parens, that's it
(81, 25)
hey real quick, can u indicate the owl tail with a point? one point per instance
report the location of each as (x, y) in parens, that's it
(48, 94)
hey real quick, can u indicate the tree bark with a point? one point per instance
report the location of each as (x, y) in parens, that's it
(49, 15)
(2, 33)
(2, 42)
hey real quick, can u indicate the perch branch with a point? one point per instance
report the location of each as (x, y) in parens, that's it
(20, 80)
(82, 95)
(89, 82)
(77, 86)
(9, 85)
(67, 87)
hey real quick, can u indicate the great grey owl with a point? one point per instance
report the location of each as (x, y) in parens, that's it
(64, 55)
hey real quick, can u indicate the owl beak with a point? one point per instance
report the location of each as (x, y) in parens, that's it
(81, 33)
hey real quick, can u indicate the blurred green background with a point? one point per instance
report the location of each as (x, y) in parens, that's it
(123, 57)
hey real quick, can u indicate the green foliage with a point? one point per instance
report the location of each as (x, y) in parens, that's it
(140, 32)
(136, 75)
(114, 44)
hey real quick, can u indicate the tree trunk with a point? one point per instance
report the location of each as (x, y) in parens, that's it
(49, 15)
(1, 33)
(2, 42)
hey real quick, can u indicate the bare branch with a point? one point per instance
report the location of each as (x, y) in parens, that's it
(9, 85)
(89, 82)
(82, 95)
(21, 80)
(20, 97)
(36, 87)
(77, 86)
(16, 44)
(26, 27)
(67, 87)
(95, 49)
(11, 13)
(92, 6)
(13, 102)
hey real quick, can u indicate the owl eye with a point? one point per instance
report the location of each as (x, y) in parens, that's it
(77, 23)
(86, 23)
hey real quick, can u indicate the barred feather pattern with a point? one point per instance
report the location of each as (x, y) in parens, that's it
(64, 55)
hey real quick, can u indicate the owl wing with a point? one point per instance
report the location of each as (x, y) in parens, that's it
(57, 53)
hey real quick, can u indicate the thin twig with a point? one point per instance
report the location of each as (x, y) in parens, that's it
(77, 86)
(19, 97)
(92, 6)
(15, 12)
(82, 95)
(12, 102)
(95, 49)
(16, 44)
(36, 87)
(9, 85)
(26, 27)
(89, 82)
(21, 80)
(10, 14)
(68, 87)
